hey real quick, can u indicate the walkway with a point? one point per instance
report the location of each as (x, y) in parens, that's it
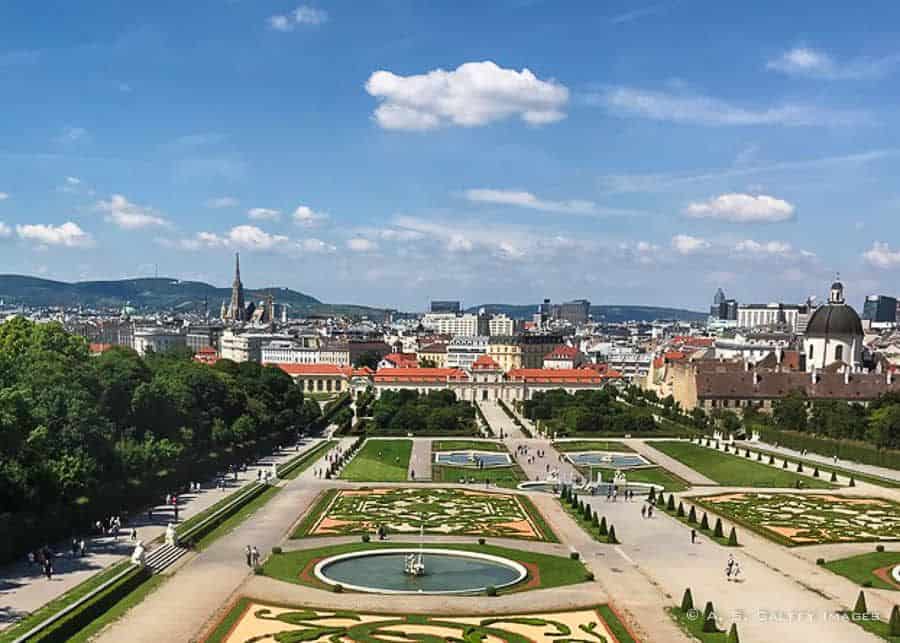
(666, 462)
(420, 460)
(23, 590)
(850, 465)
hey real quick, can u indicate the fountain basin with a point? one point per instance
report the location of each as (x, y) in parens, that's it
(447, 571)
(607, 459)
(488, 459)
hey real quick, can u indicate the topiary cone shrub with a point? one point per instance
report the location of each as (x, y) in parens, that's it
(692, 515)
(602, 530)
(816, 472)
(894, 622)
(680, 512)
(709, 618)
(799, 467)
(732, 538)
(670, 504)
(574, 555)
(784, 465)
(595, 519)
(717, 530)
(860, 607)
(611, 538)
(852, 482)
(747, 453)
(759, 457)
(833, 476)
(771, 459)
(704, 522)
(651, 497)
(687, 601)
(879, 548)
(733, 635)
(490, 590)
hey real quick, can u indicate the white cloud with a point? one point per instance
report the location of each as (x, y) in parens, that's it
(474, 94)
(5, 231)
(264, 214)
(315, 246)
(308, 217)
(73, 180)
(129, 216)
(222, 202)
(742, 208)
(813, 63)
(302, 15)
(73, 135)
(685, 244)
(528, 200)
(880, 255)
(765, 248)
(705, 110)
(253, 238)
(4, 196)
(68, 235)
(361, 244)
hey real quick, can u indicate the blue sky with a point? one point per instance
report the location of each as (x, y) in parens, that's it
(391, 152)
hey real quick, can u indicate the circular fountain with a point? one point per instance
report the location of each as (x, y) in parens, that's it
(443, 571)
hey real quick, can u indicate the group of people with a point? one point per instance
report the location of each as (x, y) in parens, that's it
(732, 569)
(252, 555)
(612, 493)
(43, 558)
(110, 527)
(523, 449)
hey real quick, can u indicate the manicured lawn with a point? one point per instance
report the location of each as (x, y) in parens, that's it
(237, 518)
(554, 571)
(466, 445)
(694, 626)
(312, 516)
(592, 445)
(507, 477)
(115, 612)
(736, 471)
(380, 461)
(860, 568)
(878, 628)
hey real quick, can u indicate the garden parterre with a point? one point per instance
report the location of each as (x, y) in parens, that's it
(805, 519)
(455, 512)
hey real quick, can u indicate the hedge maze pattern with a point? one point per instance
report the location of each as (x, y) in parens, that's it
(457, 512)
(263, 623)
(811, 518)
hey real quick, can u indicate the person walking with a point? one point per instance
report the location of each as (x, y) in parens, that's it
(133, 534)
(82, 548)
(249, 555)
(255, 556)
(693, 536)
(650, 511)
(643, 511)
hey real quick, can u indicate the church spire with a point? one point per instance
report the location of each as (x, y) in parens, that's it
(237, 267)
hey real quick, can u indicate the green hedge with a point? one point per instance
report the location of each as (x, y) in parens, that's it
(237, 500)
(845, 449)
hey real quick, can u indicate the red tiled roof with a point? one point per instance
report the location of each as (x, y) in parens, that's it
(416, 374)
(673, 356)
(555, 375)
(562, 352)
(485, 362)
(402, 360)
(434, 348)
(604, 371)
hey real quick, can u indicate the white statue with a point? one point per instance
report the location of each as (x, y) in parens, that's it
(139, 555)
(274, 471)
(171, 536)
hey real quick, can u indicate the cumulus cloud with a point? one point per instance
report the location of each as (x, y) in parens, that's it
(253, 238)
(813, 63)
(302, 15)
(129, 216)
(264, 214)
(685, 244)
(474, 94)
(361, 244)
(742, 208)
(308, 217)
(524, 199)
(880, 255)
(68, 235)
(765, 248)
(73, 180)
(222, 202)
(705, 110)
(315, 246)
(5, 231)
(4, 196)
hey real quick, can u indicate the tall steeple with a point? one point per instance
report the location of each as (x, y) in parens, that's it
(237, 311)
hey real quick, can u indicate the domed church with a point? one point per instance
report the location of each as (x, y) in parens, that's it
(834, 334)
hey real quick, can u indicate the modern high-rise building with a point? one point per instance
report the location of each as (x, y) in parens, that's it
(446, 306)
(880, 309)
(577, 311)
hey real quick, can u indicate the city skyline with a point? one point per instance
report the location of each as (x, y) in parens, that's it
(387, 155)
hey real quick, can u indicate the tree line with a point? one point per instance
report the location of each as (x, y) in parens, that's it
(83, 437)
(434, 413)
(587, 412)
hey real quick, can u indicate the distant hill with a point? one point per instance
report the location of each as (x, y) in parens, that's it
(612, 314)
(155, 294)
